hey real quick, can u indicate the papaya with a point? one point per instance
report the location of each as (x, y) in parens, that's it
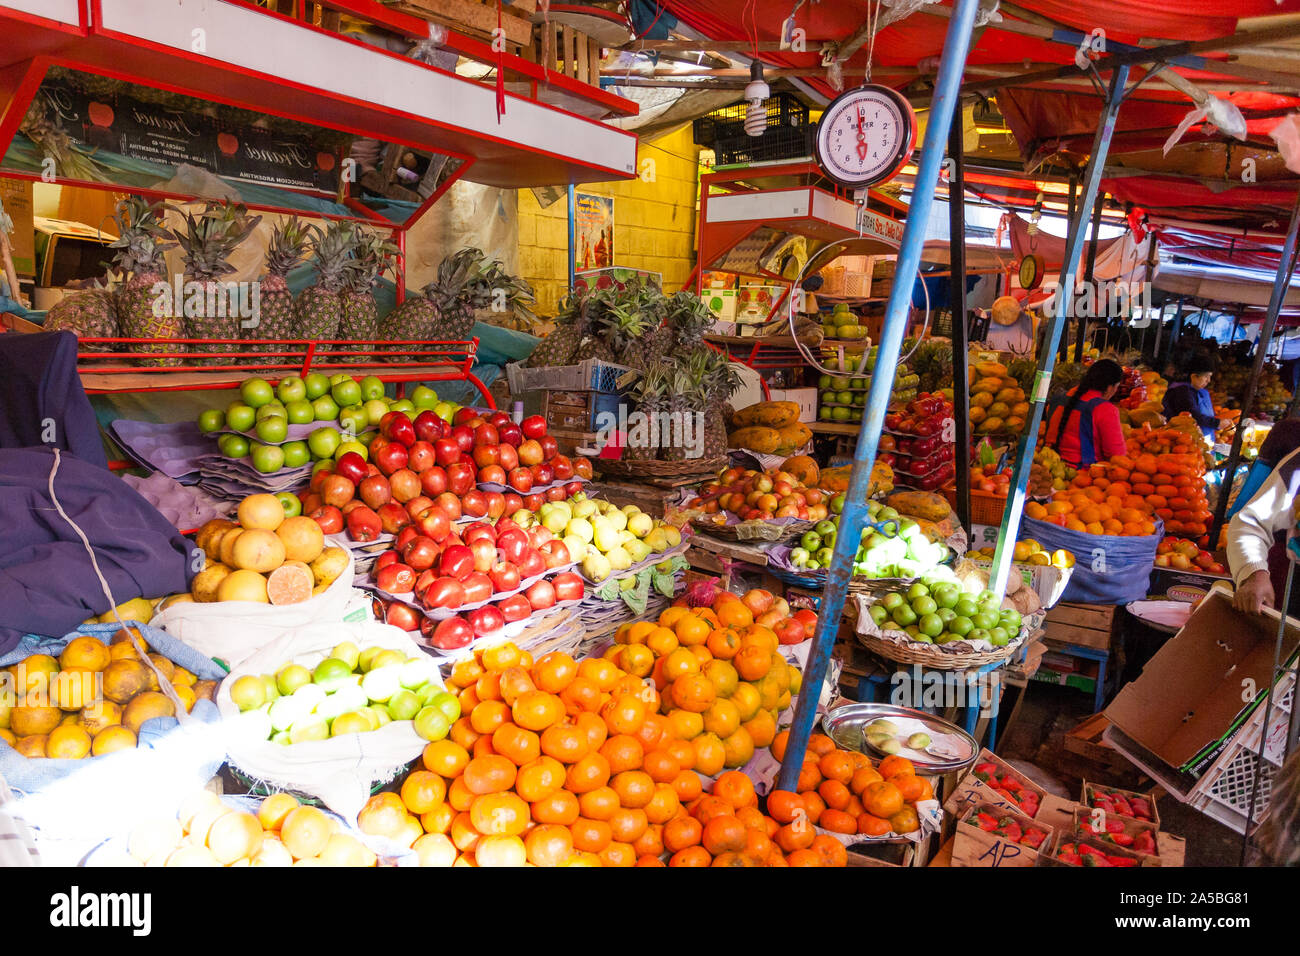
(756, 438)
(1008, 396)
(991, 369)
(792, 437)
(999, 410)
(981, 400)
(803, 468)
(920, 504)
(990, 385)
(767, 414)
(991, 425)
(977, 414)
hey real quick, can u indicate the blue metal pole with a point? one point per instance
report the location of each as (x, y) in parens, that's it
(853, 517)
(573, 234)
(1047, 362)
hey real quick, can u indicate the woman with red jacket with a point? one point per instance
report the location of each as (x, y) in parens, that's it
(1091, 430)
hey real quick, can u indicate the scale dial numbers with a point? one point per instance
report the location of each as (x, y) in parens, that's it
(865, 136)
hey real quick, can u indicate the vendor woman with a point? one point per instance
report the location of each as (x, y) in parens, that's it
(1085, 428)
(1191, 396)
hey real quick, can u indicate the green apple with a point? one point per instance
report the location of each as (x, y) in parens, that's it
(447, 703)
(431, 723)
(965, 607)
(325, 409)
(446, 411)
(404, 405)
(347, 446)
(212, 420)
(324, 442)
(272, 430)
(931, 625)
(403, 705)
(291, 389)
(300, 412)
(256, 392)
(371, 388)
(924, 605)
(296, 454)
(366, 659)
(316, 385)
(811, 540)
(272, 410)
(233, 446)
(290, 502)
(346, 392)
(348, 653)
(961, 626)
(424, 397)
(240, 417)
(354, 419)
(375, 410)
(290, 677)
(310, 727)
(267, 459)
(903, 615)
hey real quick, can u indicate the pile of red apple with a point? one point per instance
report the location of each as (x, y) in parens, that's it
(918, 449)
(415, 465)
(1180, 554)
(761, 495)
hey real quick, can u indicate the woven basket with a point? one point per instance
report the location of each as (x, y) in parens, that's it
(660, 469)
(761, 532)
(816, 580)
(904, 650)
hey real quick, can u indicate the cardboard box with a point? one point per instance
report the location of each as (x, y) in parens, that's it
(1189, 697)
(1044, 580)
(805, 398)
(722, 303)
(754, 302)
(974, 846)
(1086, 799)
(972, 791)
(1091, 821)
(1076, 837)
(1189, 586)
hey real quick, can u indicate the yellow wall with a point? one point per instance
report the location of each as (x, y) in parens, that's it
(654, 222)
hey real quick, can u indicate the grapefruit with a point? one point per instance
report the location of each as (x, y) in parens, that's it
(124, 679)
(291, 583)
(32, 747)
(206, 582)
(258, 550)
(212, 529)
(275, 808)
(260, 512)
(85, 653)
(302, 538)
(227, 548)
(29, 721)
(243, 585)
(344, 850)
(95, 717)
(74, 690)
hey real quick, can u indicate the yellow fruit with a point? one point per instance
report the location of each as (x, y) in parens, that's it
(275, 808)
(85, 653)
(207, 582)
(112, 739)
(344, 850)
(302, 537)
(33, 720)
(146, 706)
(123, 679)
(244, 585)
(235, 836)
(1062, 559)
(305, 831)
(260, 512)
(258, 550)
(68, 742)
(73, 690)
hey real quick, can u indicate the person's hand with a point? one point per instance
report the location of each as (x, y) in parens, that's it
(1225, 422)
(1254, 594)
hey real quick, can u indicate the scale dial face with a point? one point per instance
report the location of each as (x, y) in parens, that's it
(865, 136)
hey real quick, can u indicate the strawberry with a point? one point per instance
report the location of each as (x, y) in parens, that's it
(1120, 861)
(1141, 808)
(986, 822)
(1114, 826)
(1033, 837)
(1145, 843)
(1095, 860)
(1120, 839)
(1011, 830)
(985, 771)
(1122, 806)
(1012, 784)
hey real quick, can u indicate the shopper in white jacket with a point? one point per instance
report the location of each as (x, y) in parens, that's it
(1254, 530)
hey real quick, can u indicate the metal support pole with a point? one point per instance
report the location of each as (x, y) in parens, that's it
(960, 328)
(573, 234)
(1073, 252)
(951, 66)
(1071, 207)
(1082, 326)
(1151, 268)
(1285, 266)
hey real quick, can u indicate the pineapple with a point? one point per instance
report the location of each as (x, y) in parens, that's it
(411, 321)
(713, 382)
(206, 244)
(622, 328)
(91, 313)
(455, 294)
(679, 407)
(142, 243)
(648, 394)
(561, 345)
(319, 308)
(288, 244)
(360, 313)
(689, 318)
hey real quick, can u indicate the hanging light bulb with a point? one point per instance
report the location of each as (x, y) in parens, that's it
(755, 94)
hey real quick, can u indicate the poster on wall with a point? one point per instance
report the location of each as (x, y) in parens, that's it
(594, 227)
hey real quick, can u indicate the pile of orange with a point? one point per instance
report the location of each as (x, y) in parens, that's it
(556, 762)
(844, 792)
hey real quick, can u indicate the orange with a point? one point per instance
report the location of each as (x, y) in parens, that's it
(835, 794)
(460, 796)
(635, 789)
(594, 726)
(863, 777)
(624, 752)
(882, 799)
(617, 853)
(724, 644)
(561, 807)
(539, 778)
(778, 744)
(680, 750)
(463, 734)
(815, 805)
(537, 710)
(694, 692)
(894, 764)
(488, 687)
(795, 836)
(722, 718)
(804, 857)
(591, 836)
(909, 785)
(735, 789)
(554, 672)
(662, 641)
(692, 629)
(836, 765)
(590, 772)
(518, 744)
(784, 805)
(731, 611)
(761, 729)
(483, 747)
(687, 785)
(810, 778)
(488, 715)
(758, 845)
(565, 742)
(581, 694)
(648, 860)
(490, 774)
(438, 820)
(601, 672)
(680, 663)
(653, 731)
(636, 659)
(837, 821)
(634, 633)
(548, 845)
(624, 714)
(904, 821)
(682, 832)
(709, 806)
(501, 814)
(753, 662)
(515, 682)
(466, 672)
(685, 724)
(628, 823)
(831, 850)
(651, 842)
(664, 805)
(723, 834)
(423, 791)
(710, 754)
(691, 856)
(599, 804)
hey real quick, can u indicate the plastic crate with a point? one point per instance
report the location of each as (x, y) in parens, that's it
(985, 507)
(777, 142)
(728, 122)
(592, 375)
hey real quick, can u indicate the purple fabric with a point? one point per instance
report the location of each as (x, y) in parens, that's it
(41, 398)
(47, 582)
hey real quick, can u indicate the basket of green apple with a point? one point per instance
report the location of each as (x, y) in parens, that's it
(937, 623)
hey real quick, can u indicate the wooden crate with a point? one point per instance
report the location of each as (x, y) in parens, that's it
(567, 51)
(479, 19)
(1087, 625)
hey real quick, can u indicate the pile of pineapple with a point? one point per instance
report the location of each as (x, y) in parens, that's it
(348, 261)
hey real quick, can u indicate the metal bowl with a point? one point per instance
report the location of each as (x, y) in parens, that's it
(844, 725)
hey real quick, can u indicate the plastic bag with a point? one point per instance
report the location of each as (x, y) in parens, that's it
(1108, 569)
(231, 631)
(341, 770)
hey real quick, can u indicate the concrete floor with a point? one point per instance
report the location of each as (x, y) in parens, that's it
(1038, 739)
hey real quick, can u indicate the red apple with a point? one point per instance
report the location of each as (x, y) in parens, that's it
(568, 586)
(478, 587)
(337, 490)
(573, 488)
(486, 621)
(457, 562)
(463, 435)
(498, 418)
(374, 491)
(485, 554)
(479, 531)
(434, 523)
(433, 481)
(452, 634)
(416, 506)
(486, 455)
(392, 517)
(530, 453)
(510, 434)
(474, 503)
(531, 563)
(543, 474)
(562, 465)
(384, 560)
(444, 592)
(404, 537)
(351, 466)
(402, 615)
(492, 475)
(541, 595)
(446, 451)
(496, 504)
(405, 484)
(486, 434)
(397, 427)
(507, 457)
(556, 493)
(363, 524)
(460, 477)
(329, 518)
(550, 447)
(396, 579)
(582, 468)
(352, 506)
(391, 457)
(790, 631)
(420, 456)
(515, 608)
(450, 505)
(513, 503)
(310, 502)
(555, 554)
(318, 478)
(464, 415)
(505, 576)
(420, 553)
(521, 480)
(422, 581)
(534, 426)
(538, 535)
(534, 501)
(513, 543)
(428, 426)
